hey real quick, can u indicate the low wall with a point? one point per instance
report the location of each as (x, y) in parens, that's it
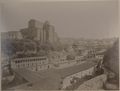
(66, 81)
(94, 83)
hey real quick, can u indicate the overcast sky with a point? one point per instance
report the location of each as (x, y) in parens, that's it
(93, 19)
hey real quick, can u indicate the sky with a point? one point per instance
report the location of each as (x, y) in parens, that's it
(87, 19)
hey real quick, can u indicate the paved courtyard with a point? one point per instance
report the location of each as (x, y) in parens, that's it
(50, 79)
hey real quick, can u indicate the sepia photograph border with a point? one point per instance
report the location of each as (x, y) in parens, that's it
(15, 1)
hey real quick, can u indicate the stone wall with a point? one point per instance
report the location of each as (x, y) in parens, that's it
(94, 83)
(66, 81)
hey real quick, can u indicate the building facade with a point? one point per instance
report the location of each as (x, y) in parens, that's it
(43, 32)
(36, 30)
(11, 35)
(32, 63)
